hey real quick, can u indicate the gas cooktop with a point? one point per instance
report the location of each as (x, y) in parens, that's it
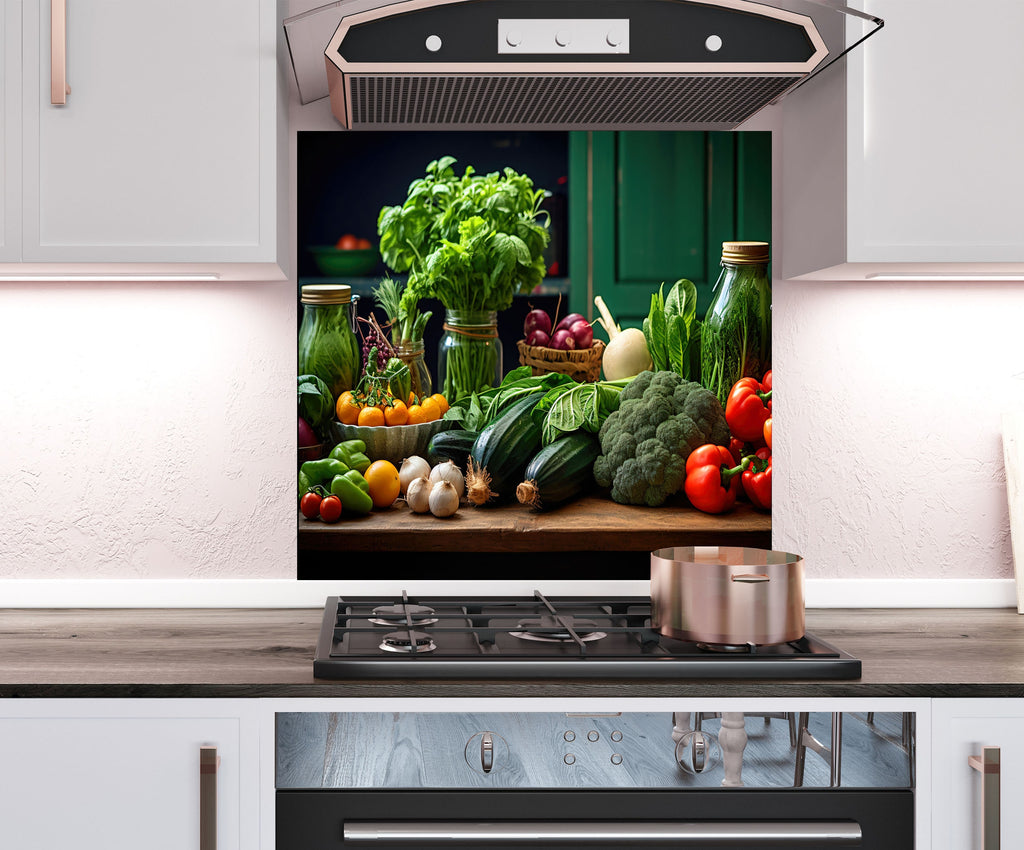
(537, 637)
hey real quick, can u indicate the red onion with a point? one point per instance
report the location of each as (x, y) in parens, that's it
(582, 333)
(536, 320)
(306, 435)
(569, 321)
(563, 340)
(538, 337)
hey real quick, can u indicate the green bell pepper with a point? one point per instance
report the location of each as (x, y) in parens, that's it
(322, 471)
(352, 454)
(353, 491)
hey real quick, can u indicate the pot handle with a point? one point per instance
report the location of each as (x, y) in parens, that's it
(751, 578)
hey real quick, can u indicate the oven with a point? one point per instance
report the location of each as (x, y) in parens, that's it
(540, 779)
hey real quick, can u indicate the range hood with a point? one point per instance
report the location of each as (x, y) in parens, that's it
(563, 64)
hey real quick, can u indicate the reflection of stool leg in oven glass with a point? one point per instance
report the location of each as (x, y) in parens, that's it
(680, 725)
(733, 739)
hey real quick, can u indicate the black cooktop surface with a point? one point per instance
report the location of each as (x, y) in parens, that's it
(537, 637)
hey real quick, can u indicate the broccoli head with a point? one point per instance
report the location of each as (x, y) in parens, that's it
(645, 443)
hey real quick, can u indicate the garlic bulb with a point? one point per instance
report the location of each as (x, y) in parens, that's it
(412, 467)
(444, 501)
(449, 472)
(417, 495)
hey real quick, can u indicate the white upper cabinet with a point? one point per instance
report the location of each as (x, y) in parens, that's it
(167, 148)
(933, 165)
(10, 130)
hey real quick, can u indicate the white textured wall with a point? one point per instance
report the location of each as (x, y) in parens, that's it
(888, 446)
(148, 430)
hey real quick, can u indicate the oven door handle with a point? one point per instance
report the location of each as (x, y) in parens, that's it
(684, 834)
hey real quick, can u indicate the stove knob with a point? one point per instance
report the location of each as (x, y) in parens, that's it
(486, 752)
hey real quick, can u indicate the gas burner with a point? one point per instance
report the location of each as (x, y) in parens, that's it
(727, 647)
(413, 643)
(586, 630)
(402, 615)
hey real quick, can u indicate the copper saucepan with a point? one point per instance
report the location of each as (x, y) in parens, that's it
(727, 595)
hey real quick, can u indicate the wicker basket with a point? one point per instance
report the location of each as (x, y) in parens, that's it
(581, 365)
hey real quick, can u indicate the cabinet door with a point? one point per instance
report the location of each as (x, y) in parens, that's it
(657, 207)
(165, 151)
(10, 130)
(934, 128)
(112, 775)
(960, 729)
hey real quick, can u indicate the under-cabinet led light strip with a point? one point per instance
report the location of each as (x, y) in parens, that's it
(948, 276)
(51, 278)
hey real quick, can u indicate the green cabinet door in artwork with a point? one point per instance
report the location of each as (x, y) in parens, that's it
(647, 207)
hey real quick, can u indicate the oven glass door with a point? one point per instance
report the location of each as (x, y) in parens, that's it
(870, 819)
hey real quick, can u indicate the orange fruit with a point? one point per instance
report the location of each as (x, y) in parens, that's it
(417, 415)
(432, 408)
(397, 414)
(347, 409)
(385, 486)
(441, 401)
(371, 416)
(409, 402)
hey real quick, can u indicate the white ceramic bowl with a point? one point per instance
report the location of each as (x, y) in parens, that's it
(393, 442)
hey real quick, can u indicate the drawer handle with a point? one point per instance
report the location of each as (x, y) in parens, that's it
(209, 761)
(987, 764)
(59, 88)
(735, 834)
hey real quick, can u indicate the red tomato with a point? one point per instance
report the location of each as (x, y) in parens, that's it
(310, 505)
(363, 244)
(348, 242)
(330, 509)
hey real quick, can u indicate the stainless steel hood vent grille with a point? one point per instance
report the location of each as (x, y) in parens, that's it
(555, 102)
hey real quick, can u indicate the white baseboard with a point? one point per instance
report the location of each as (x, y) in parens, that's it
(290, 593)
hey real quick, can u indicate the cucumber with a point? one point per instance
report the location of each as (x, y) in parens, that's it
(501, 451)
(560, 472)
(452, 445)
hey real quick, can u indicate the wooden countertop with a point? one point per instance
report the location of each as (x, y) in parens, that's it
(600, 522)
(269, 653)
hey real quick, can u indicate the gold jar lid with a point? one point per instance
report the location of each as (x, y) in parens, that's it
(744, 253)
(326, 293)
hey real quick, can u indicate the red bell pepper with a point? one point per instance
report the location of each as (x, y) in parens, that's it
(712, 481)
(766, 381)
(747, 408)
(757, 479)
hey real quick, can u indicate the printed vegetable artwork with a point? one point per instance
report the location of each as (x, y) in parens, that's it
(712, 481)
(747, 408)
(472, 242)
(672, 331)
(316, 404)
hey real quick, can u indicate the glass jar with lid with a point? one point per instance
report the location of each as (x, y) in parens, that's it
(736, 336)
(411, 353)
(328, 347)
(469, 355)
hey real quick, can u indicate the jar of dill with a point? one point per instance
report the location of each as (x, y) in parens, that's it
(736, 337)
(327, 336)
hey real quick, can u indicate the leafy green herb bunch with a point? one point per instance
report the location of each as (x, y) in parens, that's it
(472, 242)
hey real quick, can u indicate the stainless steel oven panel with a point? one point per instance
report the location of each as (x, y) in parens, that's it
(815, 819)
(538, 750)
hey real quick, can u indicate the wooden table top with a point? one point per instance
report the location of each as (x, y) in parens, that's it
(269, 653)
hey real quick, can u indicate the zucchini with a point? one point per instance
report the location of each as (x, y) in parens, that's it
(560, 472)
(501, 451)
(452, 445)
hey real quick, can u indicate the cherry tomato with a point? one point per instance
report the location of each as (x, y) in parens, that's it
(363, 244)
(310, 505)
(347, 242)
(330, 509)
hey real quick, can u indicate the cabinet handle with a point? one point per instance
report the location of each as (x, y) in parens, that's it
(208, 764)
(59, 88)
(987, 764)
